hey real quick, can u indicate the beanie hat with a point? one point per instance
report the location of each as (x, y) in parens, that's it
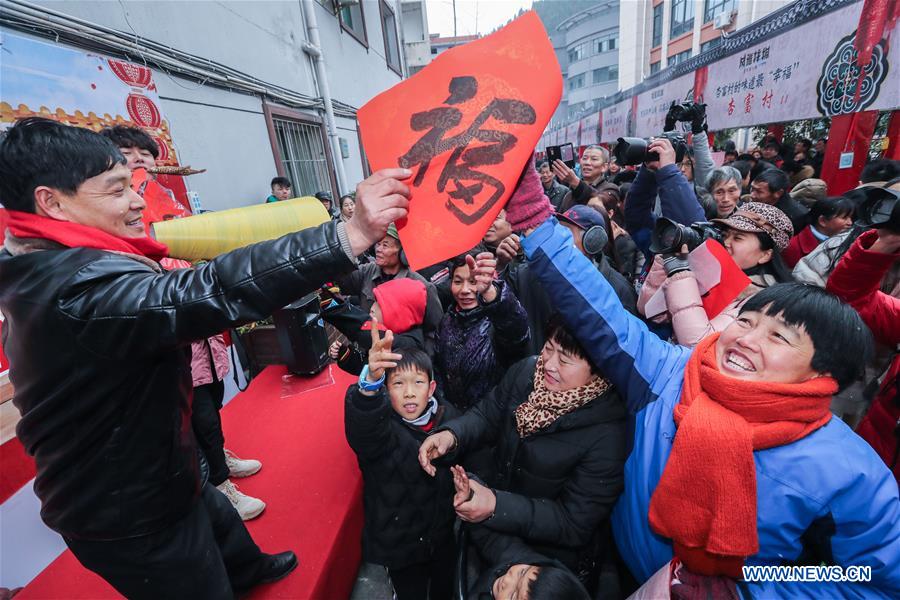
(392, 231)
(809, 191)
(402, 302)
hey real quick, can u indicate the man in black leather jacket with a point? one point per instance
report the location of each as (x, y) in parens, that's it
(98, 339)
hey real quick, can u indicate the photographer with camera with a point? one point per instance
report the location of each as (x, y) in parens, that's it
(754, 236)
(659, 174)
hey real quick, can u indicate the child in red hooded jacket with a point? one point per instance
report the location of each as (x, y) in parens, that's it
(399, 307)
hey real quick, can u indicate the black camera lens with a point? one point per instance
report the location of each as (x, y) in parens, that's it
(630, 150)
(668, 236)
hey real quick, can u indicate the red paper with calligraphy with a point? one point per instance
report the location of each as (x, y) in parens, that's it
(465, 125)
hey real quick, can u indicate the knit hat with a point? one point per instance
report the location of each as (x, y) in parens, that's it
(756, 217)
(402, 302)
(810, 191)
(528, 206)
(392, 231)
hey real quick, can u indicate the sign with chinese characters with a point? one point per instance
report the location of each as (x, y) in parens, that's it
(572, 134)
(654, 104)
(590, 129)
(807, 72)
(465, 125)
(615, 121)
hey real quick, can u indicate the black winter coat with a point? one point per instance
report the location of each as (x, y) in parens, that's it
(555, 487)
(100, 356)
(501, 552)
(408, 513)
(474, 347)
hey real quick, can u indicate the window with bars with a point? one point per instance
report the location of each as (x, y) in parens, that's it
(715, 7)
(301, 148)
(682, 17)
(391, 44)
(657, 25)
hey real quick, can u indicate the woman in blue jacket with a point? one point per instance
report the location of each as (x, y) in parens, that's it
(735, 459)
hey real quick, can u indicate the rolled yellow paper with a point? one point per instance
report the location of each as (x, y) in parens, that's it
(206, 236)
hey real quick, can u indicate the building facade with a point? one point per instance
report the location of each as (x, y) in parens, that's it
(416, 41)
(589, 49)
(442, 44)
(259, 108)
(661, 33)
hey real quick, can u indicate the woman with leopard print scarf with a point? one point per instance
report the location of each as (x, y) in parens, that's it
(557, 431)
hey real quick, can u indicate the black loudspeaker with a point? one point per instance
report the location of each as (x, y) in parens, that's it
(301, 336)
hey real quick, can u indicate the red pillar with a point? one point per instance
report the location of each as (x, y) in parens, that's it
(776, 130)
(893, 136)
(848, 133)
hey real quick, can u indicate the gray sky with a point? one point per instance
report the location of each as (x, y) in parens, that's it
(488, 14)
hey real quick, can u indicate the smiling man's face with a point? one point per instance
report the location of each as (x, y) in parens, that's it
(105, 201)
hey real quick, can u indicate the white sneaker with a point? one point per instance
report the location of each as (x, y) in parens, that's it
(238, 467)
(247, 507)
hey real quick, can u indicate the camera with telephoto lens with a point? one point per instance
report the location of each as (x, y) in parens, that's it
(668, 236)
(685, 112)
(633, 151)
(880, 209)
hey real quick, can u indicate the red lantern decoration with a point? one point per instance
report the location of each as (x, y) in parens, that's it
(142, 111)
(163, 149)
(134, 75)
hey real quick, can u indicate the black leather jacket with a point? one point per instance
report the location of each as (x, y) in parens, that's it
(99, 351)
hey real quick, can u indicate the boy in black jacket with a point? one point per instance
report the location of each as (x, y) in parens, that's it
(409, 516)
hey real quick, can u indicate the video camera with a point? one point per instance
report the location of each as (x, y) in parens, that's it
(633, 151)
(668, 236)
(880, 209)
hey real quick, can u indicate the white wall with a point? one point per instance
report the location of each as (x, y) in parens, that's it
(225, 131)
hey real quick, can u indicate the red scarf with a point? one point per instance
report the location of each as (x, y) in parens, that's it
(705, 501)
(75, 235)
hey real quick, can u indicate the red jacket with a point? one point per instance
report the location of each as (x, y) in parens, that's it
(800, 245)
(856, 280)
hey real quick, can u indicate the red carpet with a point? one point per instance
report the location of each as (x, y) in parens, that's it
(309, 481)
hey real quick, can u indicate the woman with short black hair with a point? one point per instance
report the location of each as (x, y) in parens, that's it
(735, 459)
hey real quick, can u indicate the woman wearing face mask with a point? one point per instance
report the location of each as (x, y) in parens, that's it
(725, 186)
(485, 331)
(735, 459)
(557, 429)
(754, 236)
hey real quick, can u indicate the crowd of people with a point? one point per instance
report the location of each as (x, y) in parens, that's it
(644, 378)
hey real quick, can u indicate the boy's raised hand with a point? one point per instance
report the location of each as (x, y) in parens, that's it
(483, 267)
(380, 355)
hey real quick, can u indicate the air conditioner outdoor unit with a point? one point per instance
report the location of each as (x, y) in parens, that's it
(722, 20)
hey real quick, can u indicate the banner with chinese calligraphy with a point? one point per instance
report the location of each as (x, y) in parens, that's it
(42, 79)
(809, 71)
(465, 125)
(589, 129)
(615, 121)
(654, 104)
(572, 134)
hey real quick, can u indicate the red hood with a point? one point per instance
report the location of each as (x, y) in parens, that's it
(402, 303)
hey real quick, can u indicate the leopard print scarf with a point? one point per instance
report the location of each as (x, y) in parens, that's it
(543, 406)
